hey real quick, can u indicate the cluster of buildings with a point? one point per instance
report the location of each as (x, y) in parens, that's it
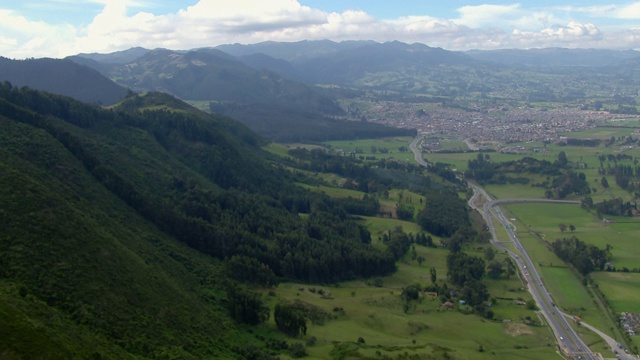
(630, 322)
(486, 123)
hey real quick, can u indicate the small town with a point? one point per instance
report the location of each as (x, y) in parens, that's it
(489, 124)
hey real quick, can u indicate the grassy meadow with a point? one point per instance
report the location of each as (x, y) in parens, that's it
(375, 313)
(539, 223)
(364, 147)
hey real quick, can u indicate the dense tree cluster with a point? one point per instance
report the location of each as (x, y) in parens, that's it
(246, 207)
(250, 270)
(290, 319)
(615, 207)
(444, 213)
(584, 257)
(466, 273)
(480, 168)
(246, 306)
(483, 170)
(626, 176)
(569, 183)
(462, 268)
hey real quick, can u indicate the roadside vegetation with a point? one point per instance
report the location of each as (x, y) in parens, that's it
(605, 222)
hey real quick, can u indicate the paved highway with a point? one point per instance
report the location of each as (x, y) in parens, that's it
(567, 339)
(569, 342)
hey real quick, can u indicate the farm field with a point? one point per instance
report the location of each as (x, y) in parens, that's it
(376, 315)
(364, 147)
(563, 284)
(621, 289)
(368, 308)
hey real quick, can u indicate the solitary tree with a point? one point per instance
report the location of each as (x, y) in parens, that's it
(562, 227)
(489, 253)
(562, 159)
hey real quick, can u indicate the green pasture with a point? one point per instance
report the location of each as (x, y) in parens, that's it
(566, 286)
(509, 191)
(277, 149)
(335, 192)
(622, 290)
(584, 159)
(202, 105)
(376, 315)
(620, 232)
(452, 145)
(611, 128)
(364, 147)
(633, 122)
(406, 197)
(379, 226)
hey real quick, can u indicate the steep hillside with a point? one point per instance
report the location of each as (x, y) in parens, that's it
(62, 77)
(83, 275)
(266, 62)
(113, 221)
(211, 75)
(290, 126)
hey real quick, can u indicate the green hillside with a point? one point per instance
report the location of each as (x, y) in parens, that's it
(114, 220)
(84, 276)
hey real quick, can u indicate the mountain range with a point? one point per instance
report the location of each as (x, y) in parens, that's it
(288, 91)
(62, 77)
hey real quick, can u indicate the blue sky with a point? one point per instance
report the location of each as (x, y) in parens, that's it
(57, 28)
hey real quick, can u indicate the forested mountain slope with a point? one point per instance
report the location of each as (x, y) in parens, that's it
(62, 77)
(114, 220)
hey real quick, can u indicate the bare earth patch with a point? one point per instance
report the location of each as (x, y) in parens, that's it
(518, 329)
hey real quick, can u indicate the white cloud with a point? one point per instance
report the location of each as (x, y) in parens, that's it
(631, 11)
(487, 15)
(213, 22)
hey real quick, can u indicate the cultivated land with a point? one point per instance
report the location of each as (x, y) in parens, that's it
(536, 225)
(376, 315)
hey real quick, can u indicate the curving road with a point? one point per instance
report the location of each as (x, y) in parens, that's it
(568, 341)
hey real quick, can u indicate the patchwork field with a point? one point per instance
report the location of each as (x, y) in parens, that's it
(375, 314)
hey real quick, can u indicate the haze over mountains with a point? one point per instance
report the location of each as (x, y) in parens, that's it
(401, 70)
(273, 87)
(62, 77)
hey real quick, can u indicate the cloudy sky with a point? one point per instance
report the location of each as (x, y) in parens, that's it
(57, 28)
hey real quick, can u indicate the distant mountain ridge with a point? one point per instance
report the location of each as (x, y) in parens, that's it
(555, 56)
(303, 51)
(273, 105)
(257, 83)
(416, 72)
(210, 75)
(62, 77)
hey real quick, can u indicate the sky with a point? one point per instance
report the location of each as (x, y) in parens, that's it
(58, 28)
